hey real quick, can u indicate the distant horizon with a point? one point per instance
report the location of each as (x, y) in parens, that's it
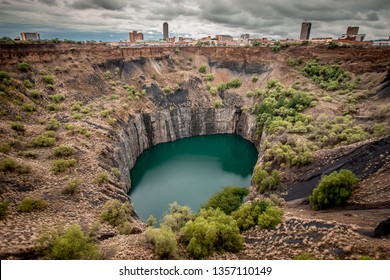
(110, 21)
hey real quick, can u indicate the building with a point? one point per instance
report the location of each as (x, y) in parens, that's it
(223, 38)
(165, 31)
(352, 30)
(382, 42)
(244, 36)
(305, 31)
(136, 36)
(352, 34)
(322, 40)
(30, 36)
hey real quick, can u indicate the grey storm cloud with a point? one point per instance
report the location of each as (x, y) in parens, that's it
(273, 18)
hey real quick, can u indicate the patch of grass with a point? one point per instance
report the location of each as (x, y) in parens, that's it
(63, 151)
(11, 165)
(28, 107)
(17, 126)
(24, 67)
(53, 124)
(28, 154)
(116, 172)
(29, 204)
(202, 69)
(57, 98)
(43, 141)
(62, 165)
(27, 84)
(48, 79)
(36, 94)
(101, 178)
(72, 187)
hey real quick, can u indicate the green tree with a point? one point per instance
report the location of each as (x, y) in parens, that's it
(227, 200)
(333, 190)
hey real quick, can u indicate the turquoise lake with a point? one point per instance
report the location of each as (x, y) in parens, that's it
(189, 171)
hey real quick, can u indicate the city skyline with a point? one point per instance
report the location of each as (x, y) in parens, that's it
(113, 20)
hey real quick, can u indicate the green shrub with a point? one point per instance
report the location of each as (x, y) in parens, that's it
(29, 204)
(168, 90)
(254, 79)
(50, 87)
(61, 165)
(28, 107)
(151, 221)
(115, 212)
(72, 187)
(202, 69)
(209, 77)
(276, 48)
(5, 148)
(177, 51)
(18, 126)
(116, 172)
(163, 240)
(27, 84)
(304, 256)
(53, 124)
(223, 87)
(28, 154)
(217, 104)
(235, 83)
(265, 181)
(48, 79)
(57, 98)
(35, 94)
(261, 212)
(63, 151)
(68, 244)
(4, 75)
(11, 165)
(3, 210)
(178, 216)
(52, 107)
(211, 231)
(43, 141)
(333, 189)
(227, 200)
(213, 90)
(249, 94)
(126, 228)
(24, 66)
(101, 178)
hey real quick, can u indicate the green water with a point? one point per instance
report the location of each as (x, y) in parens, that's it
(189, 171)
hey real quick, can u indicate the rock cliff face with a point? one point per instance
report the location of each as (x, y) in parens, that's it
(145, 130)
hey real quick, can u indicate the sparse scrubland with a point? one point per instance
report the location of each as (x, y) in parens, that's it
(65, 108)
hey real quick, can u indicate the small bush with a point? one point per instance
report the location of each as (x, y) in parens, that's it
(126, 228)
(164, 241)
(61, 165)
(235, 83)
(5, 148)
(43, 141)
(48, 79)
(168, 90)
(101, 178)
(28, 107)
(213, 90)
(11, 165)
(28, 154)
(265, 181)
(68, 244)
(261, 212)
(178, 216)
(3, 210)
(227, 200)
(115, 212)
(254, 79)
(24, 67)
(27, 84)
(211, 231)
(57, 98)
(35, 94)
(217, 104)
(116, 172)
(63, 151)
(151, 221)
(333, 190)
(18, 127)
(209, 77)
(53, 125)
(249, 94)
(202, 69)
(72, 187)
(29, 204)
(52, 107)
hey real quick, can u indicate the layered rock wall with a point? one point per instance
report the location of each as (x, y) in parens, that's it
(145, 130)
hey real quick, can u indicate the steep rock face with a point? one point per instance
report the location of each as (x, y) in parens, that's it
(145, 130)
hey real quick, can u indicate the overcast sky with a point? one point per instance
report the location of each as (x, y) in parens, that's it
(111, 20)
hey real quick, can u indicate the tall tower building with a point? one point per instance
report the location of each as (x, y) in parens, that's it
(165, 31)
(305, 30)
